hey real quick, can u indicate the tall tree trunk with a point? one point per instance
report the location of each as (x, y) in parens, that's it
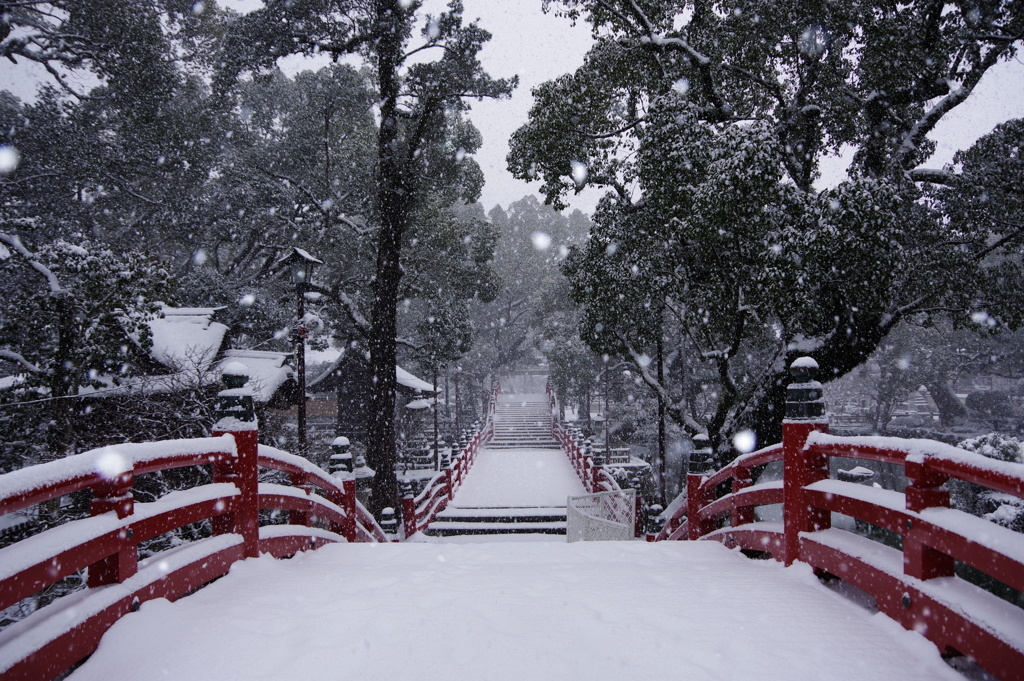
(393, 202)
(661, 421)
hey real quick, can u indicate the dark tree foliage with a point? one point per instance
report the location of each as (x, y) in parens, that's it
(421, 146)
(709, 123)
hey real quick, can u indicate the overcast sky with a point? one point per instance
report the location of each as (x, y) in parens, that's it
(538, 47)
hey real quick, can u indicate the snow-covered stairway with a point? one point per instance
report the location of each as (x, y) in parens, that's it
(522, 421)
(520, 481)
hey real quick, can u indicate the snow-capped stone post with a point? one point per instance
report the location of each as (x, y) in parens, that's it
(701, 464)
(236, 416)
(341, 457)
(655, 521)
(389, 523)
(805, 414)
(114, 493)
(343, 470)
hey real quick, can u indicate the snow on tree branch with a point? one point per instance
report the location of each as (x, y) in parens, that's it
(12, 356)
(51, 279)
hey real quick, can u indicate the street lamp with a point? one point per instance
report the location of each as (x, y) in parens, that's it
(301, 266)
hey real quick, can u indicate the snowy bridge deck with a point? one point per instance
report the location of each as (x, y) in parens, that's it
(495, 610)
(533, 611)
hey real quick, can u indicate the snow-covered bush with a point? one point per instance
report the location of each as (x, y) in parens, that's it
(1002, 509)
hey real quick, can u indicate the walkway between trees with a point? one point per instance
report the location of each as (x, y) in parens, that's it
(520, 480)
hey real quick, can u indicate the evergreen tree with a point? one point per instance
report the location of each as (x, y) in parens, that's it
(709, 123)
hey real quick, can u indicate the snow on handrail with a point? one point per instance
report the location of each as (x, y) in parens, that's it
(44, 481)
(107, 542)
(954, 614)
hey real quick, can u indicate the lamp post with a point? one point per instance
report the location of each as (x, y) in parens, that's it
(301, 266)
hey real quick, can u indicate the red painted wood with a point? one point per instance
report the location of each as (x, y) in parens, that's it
(115, 496)
(61, 653)
(348, 502)
(746, 499)
(801, 468)
(948, 628)
(155, 525)
(243, 471)
(741, 515)
(752, 538)
(409, 520)
(890, 519)
(698, 495)
(44, 573)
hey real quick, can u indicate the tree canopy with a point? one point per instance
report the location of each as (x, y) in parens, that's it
(709, 123)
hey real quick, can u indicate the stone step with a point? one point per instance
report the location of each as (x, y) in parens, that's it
(455, 529)
(518, 514)
(524, 520)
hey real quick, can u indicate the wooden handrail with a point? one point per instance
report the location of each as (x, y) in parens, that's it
(956, 615)
(106, 543)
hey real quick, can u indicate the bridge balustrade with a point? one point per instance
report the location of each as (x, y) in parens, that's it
(914, 584)
(419, 511)
(322, 509)
(595, 478)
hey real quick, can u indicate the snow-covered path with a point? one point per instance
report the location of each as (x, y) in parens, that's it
(518, 478)
(518, 611)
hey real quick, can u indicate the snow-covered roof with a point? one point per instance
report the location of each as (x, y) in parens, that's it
(418, 404)
(187, 339)
(267, 370)
(410, 381)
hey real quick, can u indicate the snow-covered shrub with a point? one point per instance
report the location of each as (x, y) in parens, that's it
(1002, 509)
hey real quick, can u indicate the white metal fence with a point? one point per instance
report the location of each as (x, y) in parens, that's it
(605, 516)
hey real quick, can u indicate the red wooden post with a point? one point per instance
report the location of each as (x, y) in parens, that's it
(804, 415)
(304, 518)
(115, 494)
(742, 514)
(448, 481)
(925, 491)
(349, 504)
(237, 418)
(409, 520)
(243, 472)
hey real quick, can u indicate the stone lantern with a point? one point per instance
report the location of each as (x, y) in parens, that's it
(341, 457)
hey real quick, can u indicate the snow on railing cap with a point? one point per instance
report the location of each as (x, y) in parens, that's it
(340, 441)
(804, 363)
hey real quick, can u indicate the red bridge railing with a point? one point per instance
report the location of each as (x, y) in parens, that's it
(419, 511)
(916, 585)
(594, 477)
(322, 509)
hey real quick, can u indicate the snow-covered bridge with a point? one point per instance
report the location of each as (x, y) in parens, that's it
(367, 606)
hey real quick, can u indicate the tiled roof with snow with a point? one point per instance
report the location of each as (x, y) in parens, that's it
(410, 381)
(187, 339)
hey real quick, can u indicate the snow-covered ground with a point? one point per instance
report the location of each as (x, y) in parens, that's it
(515, 611)
(516, 478)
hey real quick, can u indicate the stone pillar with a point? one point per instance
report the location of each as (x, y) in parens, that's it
(341, 457)
(389, 523)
